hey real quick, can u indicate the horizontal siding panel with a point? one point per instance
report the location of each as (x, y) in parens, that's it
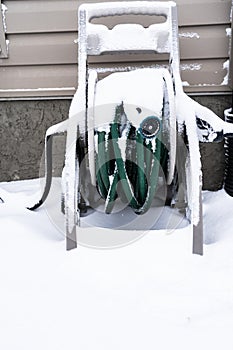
(39, 16)
(206, 12)
(203, 73)
(30, 77)
(208, 89)
(45, 93)
(61, 80)
(204, 42)
(37, 49)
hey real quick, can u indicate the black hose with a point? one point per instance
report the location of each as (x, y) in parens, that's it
(49, 148)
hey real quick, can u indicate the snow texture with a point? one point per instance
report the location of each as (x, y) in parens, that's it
(126, 37)
(57, 128)
(101, 39)
(191, 66)
(186, 113)
(3, 10)
(226, 66)
(190, 35)
(127, 68)
(122, 7)
(139, 88)
(153, 294)
(228, 32)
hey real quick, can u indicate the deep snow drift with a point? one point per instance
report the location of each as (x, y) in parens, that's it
(151, 294)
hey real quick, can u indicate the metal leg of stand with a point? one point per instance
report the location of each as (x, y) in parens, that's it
(198, 232)
(71, 239)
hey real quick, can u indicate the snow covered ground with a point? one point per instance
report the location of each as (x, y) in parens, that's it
(151, 294)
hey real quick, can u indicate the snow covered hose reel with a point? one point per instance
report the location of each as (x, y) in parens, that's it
(132, 172)
(137, 176)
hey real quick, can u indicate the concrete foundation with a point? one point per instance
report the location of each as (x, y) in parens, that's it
(24, 123)
(212, 154)
(22, 130)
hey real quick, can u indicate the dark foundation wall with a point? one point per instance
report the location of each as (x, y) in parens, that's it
(22, 130)
(212, 154)
(24, 123)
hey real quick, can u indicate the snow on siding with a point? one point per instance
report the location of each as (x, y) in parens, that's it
(190, 35)
(191, 66)
(226, 67)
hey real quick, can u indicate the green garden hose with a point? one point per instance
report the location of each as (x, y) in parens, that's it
(134, 175)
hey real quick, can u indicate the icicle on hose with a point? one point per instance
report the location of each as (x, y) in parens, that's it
(134, 179)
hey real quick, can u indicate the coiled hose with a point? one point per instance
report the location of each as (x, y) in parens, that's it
(134, 179)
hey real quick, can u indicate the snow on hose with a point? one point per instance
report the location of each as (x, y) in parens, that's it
(134, 117)
(138, 175)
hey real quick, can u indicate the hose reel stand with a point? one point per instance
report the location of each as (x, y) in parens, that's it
(149, 138)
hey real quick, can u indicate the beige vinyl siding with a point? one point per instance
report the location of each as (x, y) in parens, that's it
(42, 53)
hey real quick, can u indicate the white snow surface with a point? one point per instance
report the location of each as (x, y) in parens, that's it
(152, 294)
(129, 37)
(228, 32)
(139, 88)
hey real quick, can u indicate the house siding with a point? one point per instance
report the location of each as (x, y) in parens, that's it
(42, 53)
